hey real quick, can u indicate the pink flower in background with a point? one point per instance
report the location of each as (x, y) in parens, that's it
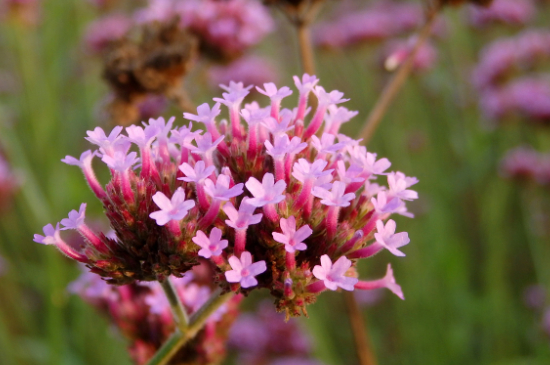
(141, 314)
(513, 12)
(103, 31)
(225, 28)
(396, 52)
(251, 70)
(378, 21)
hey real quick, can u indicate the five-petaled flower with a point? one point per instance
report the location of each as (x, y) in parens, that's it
(244, 270)
(210, 246)
(387, 237)
(175, 208)
(292, 238)
(333, 274)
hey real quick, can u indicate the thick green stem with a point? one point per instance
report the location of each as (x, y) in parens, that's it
(180, 315)
(196, 323)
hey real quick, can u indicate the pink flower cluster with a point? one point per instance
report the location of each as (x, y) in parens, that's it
(284, 342)
(384, 20)
(513, 12)
(141, 313)
(381, 20)
(102, 31)
(226, 27)
(524, 163)
(397, 51)
(251, 70)
(283, 204)
(9, 183)
(501, 79)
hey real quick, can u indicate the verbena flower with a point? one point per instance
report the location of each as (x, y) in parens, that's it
(142, 315)
(293, 221)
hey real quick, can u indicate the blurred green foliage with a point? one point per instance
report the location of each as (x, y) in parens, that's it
(473, 248)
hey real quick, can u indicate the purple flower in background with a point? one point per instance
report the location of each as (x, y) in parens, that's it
(513, 12)
(101, 32)
(251, 70)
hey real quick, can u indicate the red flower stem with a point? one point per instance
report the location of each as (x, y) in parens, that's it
(363, 345)
(240, 242)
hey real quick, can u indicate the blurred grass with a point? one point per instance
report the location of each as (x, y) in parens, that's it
(473, 248)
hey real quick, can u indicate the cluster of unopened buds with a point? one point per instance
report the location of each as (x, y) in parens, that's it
(270, 206)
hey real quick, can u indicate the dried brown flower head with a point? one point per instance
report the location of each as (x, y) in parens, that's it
(154, 64)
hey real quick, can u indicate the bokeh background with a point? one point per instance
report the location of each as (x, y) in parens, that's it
(478, 264)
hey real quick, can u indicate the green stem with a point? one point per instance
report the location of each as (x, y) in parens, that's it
(196, 323)
(180, 315)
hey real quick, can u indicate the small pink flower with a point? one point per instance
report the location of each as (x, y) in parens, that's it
(241, 219)
(398, 184)
(121, 161)
(326, 99)
(108, 145)
(221, 190)
(272, 92)
(205, 145)
(266, 192)
(196, 174)
(302, 171)
(335, 197)
(307, 83)
(284, 145)
(210, 246)
(76, 219)
(51, 235)
(333, 275)
(204, 114)
(279, 127)
(244, 271)
(387, 237)
(326, 144)
(171, 209)
(292, 238)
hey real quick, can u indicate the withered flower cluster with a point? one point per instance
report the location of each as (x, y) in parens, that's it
(154, 64)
